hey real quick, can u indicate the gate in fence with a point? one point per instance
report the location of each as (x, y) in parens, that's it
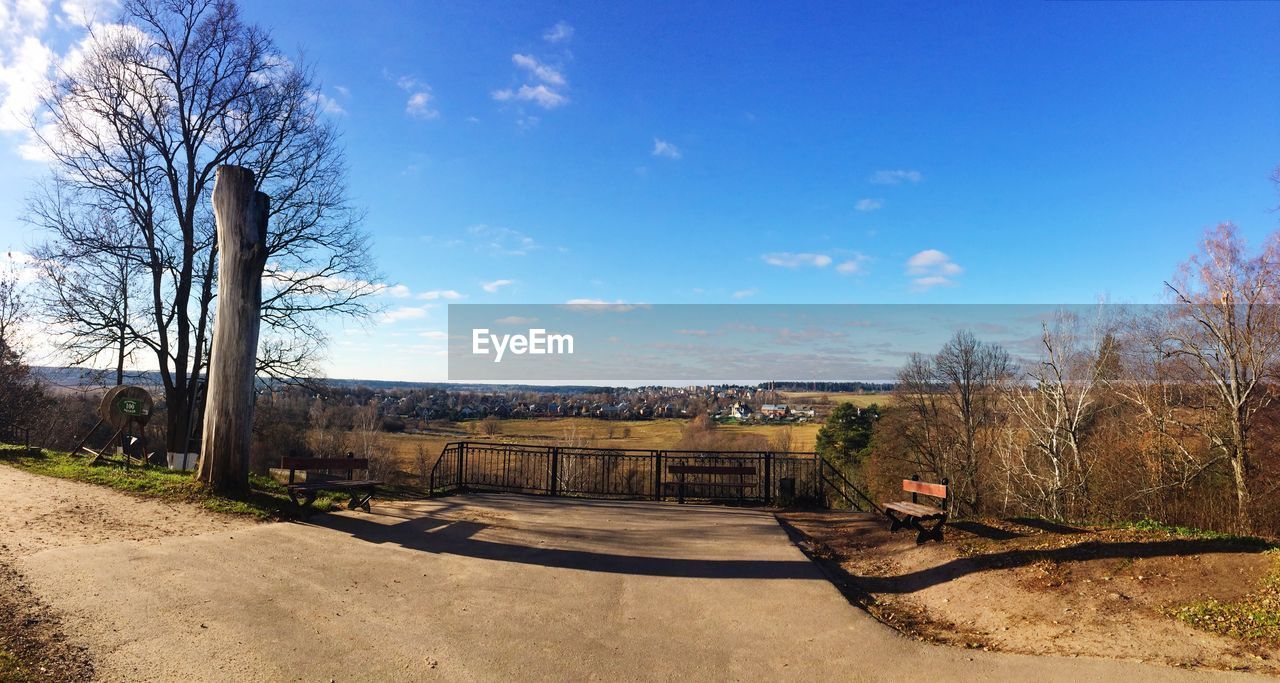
(747, 477)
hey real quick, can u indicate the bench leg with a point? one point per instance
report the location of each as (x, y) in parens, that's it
(303, 505)
(894, 522)
(361, 499)
(926, 534)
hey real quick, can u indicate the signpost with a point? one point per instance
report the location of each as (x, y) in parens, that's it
(126, 409)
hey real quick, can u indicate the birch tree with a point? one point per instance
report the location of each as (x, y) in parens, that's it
(1223, 330)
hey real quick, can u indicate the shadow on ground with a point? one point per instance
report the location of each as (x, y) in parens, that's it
(428, 528)
(859, 589)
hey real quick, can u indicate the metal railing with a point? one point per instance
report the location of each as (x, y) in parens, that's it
(838, 484)
(627, 473)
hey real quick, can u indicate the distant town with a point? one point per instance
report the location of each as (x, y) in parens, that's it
(407, 402)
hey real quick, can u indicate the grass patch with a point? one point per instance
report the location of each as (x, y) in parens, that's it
(1191, 532)
(267, 498)
(1255, 618)
(10, 670)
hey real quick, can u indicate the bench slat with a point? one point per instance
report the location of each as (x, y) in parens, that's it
(330, 485)
(324, 463)
(915, 509)
(935, 490)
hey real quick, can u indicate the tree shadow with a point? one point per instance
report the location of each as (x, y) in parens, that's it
(860, 590)
(985, 530)
(429, 531)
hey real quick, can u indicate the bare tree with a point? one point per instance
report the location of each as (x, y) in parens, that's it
(371, 443)
(87, 304)
(1045, 460)
(928, 433)
(974, 374)
(136, 129)
(1223, 330)
(20, 394)
(954, 399)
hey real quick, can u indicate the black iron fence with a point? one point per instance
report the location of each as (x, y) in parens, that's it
(750, 477)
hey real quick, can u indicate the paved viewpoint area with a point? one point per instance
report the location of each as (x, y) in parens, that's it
(481, 587)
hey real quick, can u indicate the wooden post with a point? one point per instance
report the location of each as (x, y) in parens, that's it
(241, 214)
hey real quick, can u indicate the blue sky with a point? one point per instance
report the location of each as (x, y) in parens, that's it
(771, 153)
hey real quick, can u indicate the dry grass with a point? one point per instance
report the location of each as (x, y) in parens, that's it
(639, 434)
(857, 399)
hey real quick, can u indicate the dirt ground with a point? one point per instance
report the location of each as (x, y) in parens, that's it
(42, 514)
(1033, 587)
(479, 587)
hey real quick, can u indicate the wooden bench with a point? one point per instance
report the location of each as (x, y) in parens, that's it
(681, 472)
(914, 514)
(361, 490)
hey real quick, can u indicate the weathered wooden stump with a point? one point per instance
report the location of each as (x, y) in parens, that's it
(241, 212)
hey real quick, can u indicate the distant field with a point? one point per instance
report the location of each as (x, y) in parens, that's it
(644, 434)
(857, 399)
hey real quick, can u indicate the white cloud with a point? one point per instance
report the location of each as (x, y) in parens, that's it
(23, 266)
(502, 241)
(744, 293)
(398, 291)
(543, 85)
(24, 72)
(662, 148)
(869, 204)
(541, 71)
(403, 313)
(618, 305)
(515, 320)
(896, 177)
(81, 13)
(434, 334)
(559, 33)
(853, 266)
(419, 106)
(931, 268)
(539, 94)
(787, 259)
(494, 286)
(439, 294)
(327, 104)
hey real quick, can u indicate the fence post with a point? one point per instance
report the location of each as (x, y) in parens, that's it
(462, 462)
(768, 477)
(657, 475)
(555, 470)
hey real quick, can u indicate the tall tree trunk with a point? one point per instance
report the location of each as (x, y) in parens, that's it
(241, 213)
(1240, 473)
(124, 322)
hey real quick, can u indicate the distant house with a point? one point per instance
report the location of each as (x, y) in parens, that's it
(740, 410)
(774, 410)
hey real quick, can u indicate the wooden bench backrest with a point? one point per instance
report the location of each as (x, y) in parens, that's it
(710, 469)
(324, 463)
(914, 486)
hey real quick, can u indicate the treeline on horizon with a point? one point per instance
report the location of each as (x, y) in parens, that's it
(85, 377)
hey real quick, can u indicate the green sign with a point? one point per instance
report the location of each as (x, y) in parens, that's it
(131, 406)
